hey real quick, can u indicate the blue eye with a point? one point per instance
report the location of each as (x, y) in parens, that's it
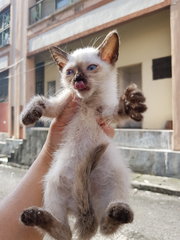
(92, 67)
(69, 71)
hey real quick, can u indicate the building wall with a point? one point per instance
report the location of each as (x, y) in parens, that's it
(146, 36)
(51, 74)
(142, 40)
(18, 86)
(93, 19)
(4, 3)
(4, 117)
(4, 63)
(175, 45)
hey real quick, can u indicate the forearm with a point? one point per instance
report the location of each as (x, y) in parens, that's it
(28, 193)
(30, 190)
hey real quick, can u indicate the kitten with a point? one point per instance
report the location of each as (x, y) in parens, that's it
(87, 177)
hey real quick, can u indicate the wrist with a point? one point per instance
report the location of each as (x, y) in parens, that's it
(47, 153)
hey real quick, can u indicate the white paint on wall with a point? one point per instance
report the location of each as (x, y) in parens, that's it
(108, 12)
(51, 74)
(3, 62)
(4, 3)
(142, 40)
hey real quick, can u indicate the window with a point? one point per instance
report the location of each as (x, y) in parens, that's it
(51, 88)
(44, 8)
(39, 76)
(4, 27)
(162, 68)
(4, 86)
(61, 3)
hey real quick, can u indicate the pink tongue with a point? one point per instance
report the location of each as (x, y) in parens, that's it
(80, 85)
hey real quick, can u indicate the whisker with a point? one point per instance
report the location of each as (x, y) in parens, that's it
(96, 40)
(82, 44)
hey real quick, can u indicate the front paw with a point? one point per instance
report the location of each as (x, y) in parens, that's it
(133, 101)
(33, 112)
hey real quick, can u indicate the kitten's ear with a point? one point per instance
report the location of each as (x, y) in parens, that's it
(109, 48)
(59, 56)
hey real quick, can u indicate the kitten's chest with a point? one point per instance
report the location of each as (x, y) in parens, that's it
(81, 136)
(83, 121)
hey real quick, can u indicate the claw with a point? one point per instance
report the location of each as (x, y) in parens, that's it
(137, 97)
(140, 108)
(134, 102)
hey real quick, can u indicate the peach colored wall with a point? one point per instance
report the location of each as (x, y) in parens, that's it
(142, 40)
(4, 117)
(175, 46)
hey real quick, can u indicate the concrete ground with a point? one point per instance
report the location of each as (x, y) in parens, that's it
(157, 216)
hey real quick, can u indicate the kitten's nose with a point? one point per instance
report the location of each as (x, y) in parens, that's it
(79, 77)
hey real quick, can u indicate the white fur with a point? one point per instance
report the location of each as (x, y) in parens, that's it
(110, 179)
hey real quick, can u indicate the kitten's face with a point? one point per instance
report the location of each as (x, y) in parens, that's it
(86, 70)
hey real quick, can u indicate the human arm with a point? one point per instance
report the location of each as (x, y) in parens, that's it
(29, 192)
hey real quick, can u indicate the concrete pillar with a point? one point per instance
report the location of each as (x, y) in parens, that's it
(175, 46)
(30, 79)
(29, 85)
(18, 52)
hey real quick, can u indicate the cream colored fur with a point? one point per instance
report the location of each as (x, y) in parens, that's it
(110, 180)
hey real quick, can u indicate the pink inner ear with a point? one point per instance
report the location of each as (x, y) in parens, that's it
(61, 65)
(108, 50)
(107, 58)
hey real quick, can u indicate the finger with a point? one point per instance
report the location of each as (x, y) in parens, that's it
(100, 121)
(109, 131)
(106, 128)
(68, 112)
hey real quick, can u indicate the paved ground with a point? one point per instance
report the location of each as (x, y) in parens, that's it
(157, 216)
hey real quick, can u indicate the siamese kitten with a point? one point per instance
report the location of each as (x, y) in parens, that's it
(87, 178)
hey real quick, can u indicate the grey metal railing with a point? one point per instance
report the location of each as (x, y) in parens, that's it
(44, 8)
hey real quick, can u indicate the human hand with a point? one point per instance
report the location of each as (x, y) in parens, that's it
(58, 125)
(108, 130)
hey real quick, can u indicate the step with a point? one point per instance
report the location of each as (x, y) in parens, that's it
(6, 147)
(3, 136)
(160, 162)
(3, 158)
(140, 138)
(14, 143)
(3, 147)
(165, 185)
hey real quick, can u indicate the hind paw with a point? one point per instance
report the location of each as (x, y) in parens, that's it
(120, 212)
(33, 217)
(116, 215)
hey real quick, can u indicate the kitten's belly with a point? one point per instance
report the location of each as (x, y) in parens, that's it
(80, 140)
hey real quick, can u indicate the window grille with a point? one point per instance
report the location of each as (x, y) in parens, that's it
(161, 68)
(4, 80)
(51, 88)
(44, 8)
(39, 77)
(5, 27)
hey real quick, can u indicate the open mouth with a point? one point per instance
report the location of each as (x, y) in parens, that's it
(81, 85)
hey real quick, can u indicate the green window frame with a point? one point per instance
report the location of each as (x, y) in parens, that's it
(5, 27)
